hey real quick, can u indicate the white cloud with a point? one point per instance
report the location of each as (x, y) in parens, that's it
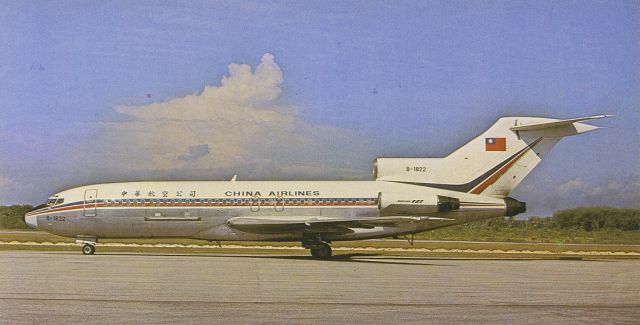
(241, 125)
(245, 96)
(615, 193)
(573, 185)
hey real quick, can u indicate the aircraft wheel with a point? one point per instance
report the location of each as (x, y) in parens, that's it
(88, 249)
(323, 252)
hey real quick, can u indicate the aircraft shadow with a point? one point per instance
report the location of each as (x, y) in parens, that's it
(371, 258)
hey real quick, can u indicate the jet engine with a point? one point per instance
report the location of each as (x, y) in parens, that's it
(397, 204)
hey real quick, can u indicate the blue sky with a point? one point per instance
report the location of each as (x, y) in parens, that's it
(340, 83)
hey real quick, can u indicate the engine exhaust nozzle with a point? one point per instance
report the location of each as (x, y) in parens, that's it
(514, 207)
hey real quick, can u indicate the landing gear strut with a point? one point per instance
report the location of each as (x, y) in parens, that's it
(88, 244)
(320, 248)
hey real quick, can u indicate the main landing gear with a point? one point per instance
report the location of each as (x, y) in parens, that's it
(88, 244)
(320, 248)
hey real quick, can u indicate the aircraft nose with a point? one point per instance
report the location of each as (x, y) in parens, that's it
(32, 221)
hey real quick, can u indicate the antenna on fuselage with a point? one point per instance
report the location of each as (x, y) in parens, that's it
(233, 179)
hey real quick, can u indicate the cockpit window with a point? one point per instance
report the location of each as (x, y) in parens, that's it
(54, 201)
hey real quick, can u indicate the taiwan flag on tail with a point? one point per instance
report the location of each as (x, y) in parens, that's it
(495, 144)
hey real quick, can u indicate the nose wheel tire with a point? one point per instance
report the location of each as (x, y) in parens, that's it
(322, 252)
(88, 249)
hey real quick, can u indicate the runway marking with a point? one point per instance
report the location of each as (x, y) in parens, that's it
(373, 249)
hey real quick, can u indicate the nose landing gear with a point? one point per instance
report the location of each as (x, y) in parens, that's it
(88, 244)
(88, 249)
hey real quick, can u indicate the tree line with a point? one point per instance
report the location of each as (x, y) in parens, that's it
(11, 216)
(584, 218)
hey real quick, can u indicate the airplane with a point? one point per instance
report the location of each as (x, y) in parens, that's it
(408, 195)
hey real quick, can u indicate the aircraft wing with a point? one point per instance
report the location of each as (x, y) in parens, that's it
(274, 225)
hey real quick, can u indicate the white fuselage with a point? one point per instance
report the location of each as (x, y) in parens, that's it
(201, 209)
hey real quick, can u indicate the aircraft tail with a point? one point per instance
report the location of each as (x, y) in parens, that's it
(492, 164)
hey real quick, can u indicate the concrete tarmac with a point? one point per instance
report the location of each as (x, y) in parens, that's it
(126, 288)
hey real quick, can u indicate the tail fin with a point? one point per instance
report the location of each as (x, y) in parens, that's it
(492, 164)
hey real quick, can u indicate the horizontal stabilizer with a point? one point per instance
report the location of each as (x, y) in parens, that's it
(555, 123)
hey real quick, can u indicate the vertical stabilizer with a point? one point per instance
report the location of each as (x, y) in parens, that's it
(492, 164)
